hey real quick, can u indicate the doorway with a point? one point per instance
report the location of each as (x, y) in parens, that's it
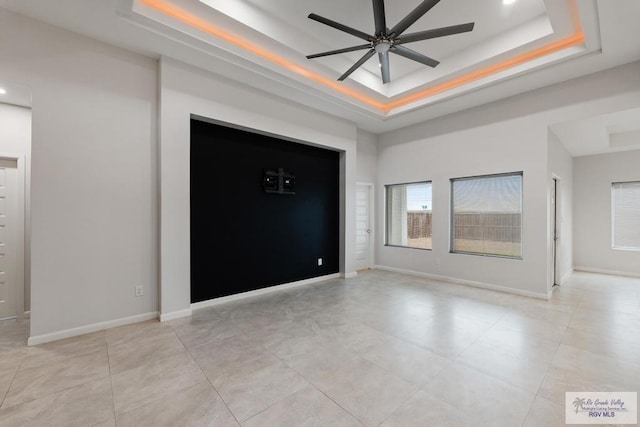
(364, 221)
(15, 155)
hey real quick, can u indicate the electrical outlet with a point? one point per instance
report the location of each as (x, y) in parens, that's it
(139, 291)
(437, 261)
(319, 261)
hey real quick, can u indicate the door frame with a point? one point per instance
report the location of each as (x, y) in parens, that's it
(371, 187)
(21, 224)
(556, 242)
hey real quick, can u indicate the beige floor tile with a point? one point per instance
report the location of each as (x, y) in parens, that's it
(307, 407)
(367, 342)
(618, 324)
(272, 333)
(537, 327)
(10, 360)
(447, 336)
(558, 381)
(408, 361)
(248, 393)
(574, 369)
(136, 331)
(157, 379)
(544, 413)
(474, 310)
(615, 302)
(198, 405)
(624, 346)
(319, 361)
(391, 321)
(356, 337)
(486, 399)
(155, 344)
(13, 334)
(60, 351)
(235, 354)
(520, 369)
(85, 405)
(34, 383)
(367, 391)
(197, 332)
(288, 346)
(108, 423)
(520, 342)
(423, 410)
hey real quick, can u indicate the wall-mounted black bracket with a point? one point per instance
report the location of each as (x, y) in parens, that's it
(279, 182)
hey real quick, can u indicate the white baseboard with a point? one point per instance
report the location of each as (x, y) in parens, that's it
(566, 276)
(27, 314)
(243, 295)
(610, 272)
(87, 329)
(521, 292)
(349, 275)
(165, 317)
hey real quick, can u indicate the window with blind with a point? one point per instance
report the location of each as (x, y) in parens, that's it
(486, 215)
(408, 219)
(625, 206)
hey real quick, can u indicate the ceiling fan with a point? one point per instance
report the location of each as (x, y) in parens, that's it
(392, 40)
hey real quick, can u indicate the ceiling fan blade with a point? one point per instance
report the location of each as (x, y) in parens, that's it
(413, 16)
(436, 32)
(341, 27)
(357, 65)
(334, 52)
(379, 18)
(384, 66)
(412, 54)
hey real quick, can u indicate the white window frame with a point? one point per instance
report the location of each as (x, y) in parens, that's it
(452, 230)
(386, 215)
(613, 218)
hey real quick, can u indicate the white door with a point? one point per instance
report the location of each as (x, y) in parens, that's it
(364, 238)
(8, 237)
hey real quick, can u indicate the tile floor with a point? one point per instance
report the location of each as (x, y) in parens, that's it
(380, 349)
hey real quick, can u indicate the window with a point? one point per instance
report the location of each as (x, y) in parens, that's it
(409, 215)
(486, 215)
(625, 205)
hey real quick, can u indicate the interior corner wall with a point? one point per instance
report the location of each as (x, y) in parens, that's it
(187, 91)
(561, 168)
(15, 138)
(592, 177)
(94, 187)
(507, 146)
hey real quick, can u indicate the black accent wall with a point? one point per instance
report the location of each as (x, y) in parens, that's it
(243, 238)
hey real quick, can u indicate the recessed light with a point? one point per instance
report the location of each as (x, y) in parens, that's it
(2, 91)
(505, 2)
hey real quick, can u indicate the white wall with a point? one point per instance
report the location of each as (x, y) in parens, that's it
(502, 136)
(508, 146)
(15, 139)
(561, 168)
(185, 91)
(367, 156)
(94, 217)
(592, 177)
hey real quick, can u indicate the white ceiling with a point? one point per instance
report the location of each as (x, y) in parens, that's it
(619, 131)
(281, 28)
(286, 21)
